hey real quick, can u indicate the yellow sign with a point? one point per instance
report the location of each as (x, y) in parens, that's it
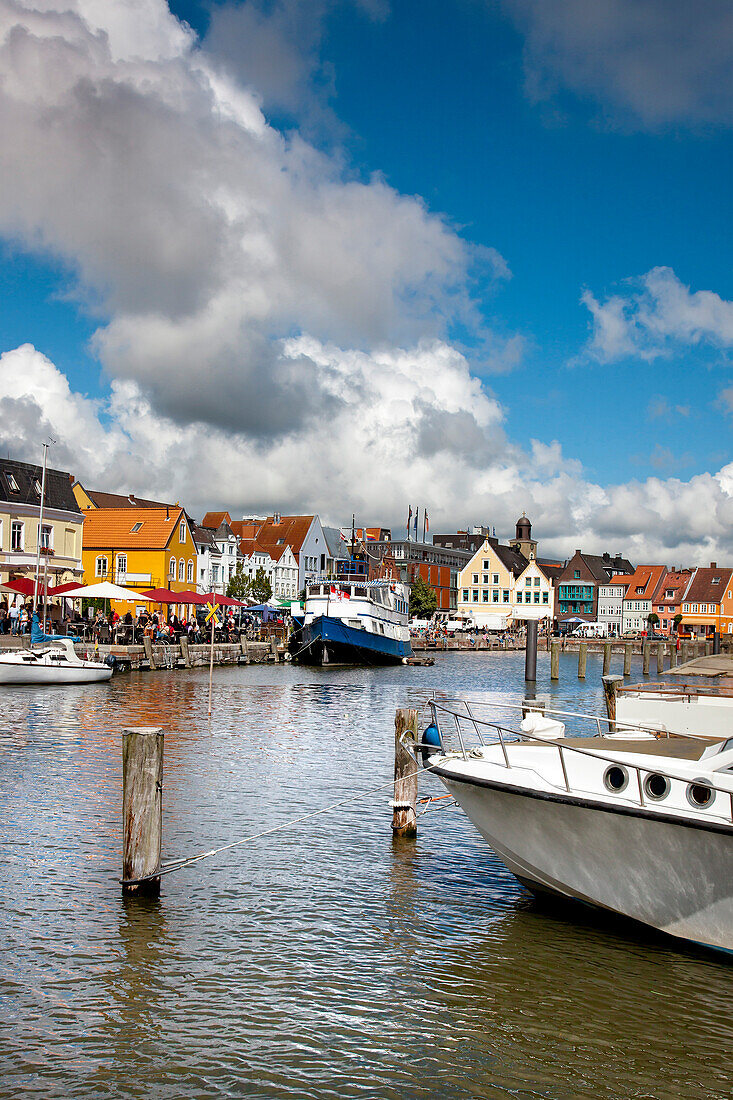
(212, 612)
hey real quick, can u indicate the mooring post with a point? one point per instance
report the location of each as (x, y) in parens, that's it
(606, 657)
(582, 659)
(555, 661)
(184, 651)
(142, 806)
(628, 650)
(148, 647)
(645, 658)
(685, 653)
(611, 685)
(672, 654)
(530, 653)
(532, 704)
(660, 656)
(709, 647)
(404, 818)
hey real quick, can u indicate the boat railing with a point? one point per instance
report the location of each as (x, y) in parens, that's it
(505, 736)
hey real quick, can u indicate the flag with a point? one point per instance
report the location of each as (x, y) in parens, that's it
(416, 513)
(343, 537)
(409, 517)
(425, 524)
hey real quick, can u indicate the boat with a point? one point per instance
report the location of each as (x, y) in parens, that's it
(631, 819)
(357, 621)
(54, 663)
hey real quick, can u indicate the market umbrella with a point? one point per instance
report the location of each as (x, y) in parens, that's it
(164, 595)
(187, 596)
(106, 591)
(62, 589)
(222, 601)
(23, 586)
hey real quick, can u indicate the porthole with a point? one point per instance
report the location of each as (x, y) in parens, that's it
(700, 794)
(616, 778)
(656, 786)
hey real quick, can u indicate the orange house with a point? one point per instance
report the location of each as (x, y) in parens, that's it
(139, 549)
(708, 602)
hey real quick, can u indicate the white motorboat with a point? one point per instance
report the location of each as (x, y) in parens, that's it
(54, 663)
(635, 821)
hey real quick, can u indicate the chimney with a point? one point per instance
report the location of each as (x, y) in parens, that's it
(606, 556)
(578, 551)
(713, 565)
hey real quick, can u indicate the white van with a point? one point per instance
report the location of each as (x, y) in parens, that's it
(591, 630)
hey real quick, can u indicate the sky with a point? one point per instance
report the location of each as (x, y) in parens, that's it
(360, 255)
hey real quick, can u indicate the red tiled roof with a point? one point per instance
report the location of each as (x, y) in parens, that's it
(215, 519)
(111, 528)
(702, 587)
(291, 529)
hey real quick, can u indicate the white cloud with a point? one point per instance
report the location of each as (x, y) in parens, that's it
(390, 441)
(656, 313)
(647, 63)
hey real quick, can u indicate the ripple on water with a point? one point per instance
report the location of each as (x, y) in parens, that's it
(328, 961)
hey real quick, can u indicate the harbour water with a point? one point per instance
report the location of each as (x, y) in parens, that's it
(326, 961)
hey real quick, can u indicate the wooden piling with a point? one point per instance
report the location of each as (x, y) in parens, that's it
(148, 647)
(645, 649)
(672, 655)
(404, 818)
(628, 651)
(708, 648)
(532, 704)
(555, 661)
(582, 659)
(606, 658)
(660, 656)
(611, 685)
(142, 806)
(685, 652)
(184, 651)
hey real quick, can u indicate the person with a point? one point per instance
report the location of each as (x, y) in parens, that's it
(25, 619)
(3, 618)
(14, 617)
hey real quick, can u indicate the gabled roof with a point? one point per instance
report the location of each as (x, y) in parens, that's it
(645, 582)
(58, 494)
(708, 585)
(112, 528)
(215, 519)
(675, 581)
(622, 580)
(512, 560)
(203, 535)
(119, 500)
(551, 570)
(603, 566)
(243, 529)
(291, 529)
(337, 548)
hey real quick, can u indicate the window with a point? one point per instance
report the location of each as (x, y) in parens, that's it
(136, 527)
(486, 578)
(685, 607)
(545, 597)
(486, 565)
(537, 582)
(474, 595)
(172, 569)
(475, 578)
(189, 574)
(46, 533)
(181, 569)
(694, 607)
(16, 535)
(100, 567)
(182, 531)
(465, 595)
(527, 582)
(536, 597)
(576, 574)
(121, 563)
(12, 483)
(485, 595)
(505, 596)
(37, 486)
(495, 595)
(519, 596)
(215, 574)
(495, 578)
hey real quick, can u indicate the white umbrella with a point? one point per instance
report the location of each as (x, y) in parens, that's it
(105, 591)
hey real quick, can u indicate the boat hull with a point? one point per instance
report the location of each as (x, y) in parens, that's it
(674, 876)
(12, 673)
(329, 641)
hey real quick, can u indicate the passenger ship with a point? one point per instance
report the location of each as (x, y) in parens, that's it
(353, 620)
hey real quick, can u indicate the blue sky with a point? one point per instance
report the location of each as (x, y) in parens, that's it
(565, 155)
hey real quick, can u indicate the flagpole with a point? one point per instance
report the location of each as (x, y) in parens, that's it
(39, 531)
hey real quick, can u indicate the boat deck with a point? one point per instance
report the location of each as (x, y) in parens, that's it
(676, 748)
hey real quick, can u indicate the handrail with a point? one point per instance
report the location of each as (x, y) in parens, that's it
(553, 743)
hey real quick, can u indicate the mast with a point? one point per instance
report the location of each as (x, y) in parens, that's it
(353, 535)
(39, 530)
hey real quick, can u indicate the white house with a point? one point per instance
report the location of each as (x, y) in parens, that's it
(611, 604)
(305, 537)
(534, 595)
(279, 563)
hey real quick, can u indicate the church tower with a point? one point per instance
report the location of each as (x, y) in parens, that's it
(524, 541)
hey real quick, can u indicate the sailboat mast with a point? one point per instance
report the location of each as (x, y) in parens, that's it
(40, 530)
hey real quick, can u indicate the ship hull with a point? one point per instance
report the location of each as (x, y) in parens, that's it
(329, 641)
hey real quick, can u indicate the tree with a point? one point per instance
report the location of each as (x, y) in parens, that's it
(652, 619)
(423, 599)
(677, 620)
(261, 588)
(240, 585)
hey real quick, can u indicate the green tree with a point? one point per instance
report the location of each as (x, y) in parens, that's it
(240, 585)
(423, 599)
(261, 588)
(677, 620)
(652, 619)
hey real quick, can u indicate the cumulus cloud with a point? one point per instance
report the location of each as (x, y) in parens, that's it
(200, 235)
(656, 313)
(646, 63)
(392, 439)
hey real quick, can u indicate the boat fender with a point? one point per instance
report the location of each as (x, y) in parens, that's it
(110, 660)
(430, 737)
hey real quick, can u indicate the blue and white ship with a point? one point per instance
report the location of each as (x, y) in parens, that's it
(353, 620)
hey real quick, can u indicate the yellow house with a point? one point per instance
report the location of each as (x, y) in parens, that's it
(534, 596)
(486, 586)
(150, 547)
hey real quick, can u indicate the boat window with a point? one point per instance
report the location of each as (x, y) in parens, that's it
(616, 778)
(699, 794)
(360, 592)
(656, 786)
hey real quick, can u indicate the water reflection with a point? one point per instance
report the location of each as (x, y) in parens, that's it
(329, 960)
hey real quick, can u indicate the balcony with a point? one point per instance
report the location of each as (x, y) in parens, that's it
(133, 578)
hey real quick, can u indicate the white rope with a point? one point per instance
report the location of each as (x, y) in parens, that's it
(177, 865)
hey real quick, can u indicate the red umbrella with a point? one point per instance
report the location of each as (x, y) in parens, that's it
(188, 596)
(23, 586)
(61, 588)
(222, 601)
(164, 595)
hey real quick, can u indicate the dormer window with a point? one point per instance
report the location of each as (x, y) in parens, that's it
(37, 486)
(715, 580)
(12, 483)
(136, 527)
